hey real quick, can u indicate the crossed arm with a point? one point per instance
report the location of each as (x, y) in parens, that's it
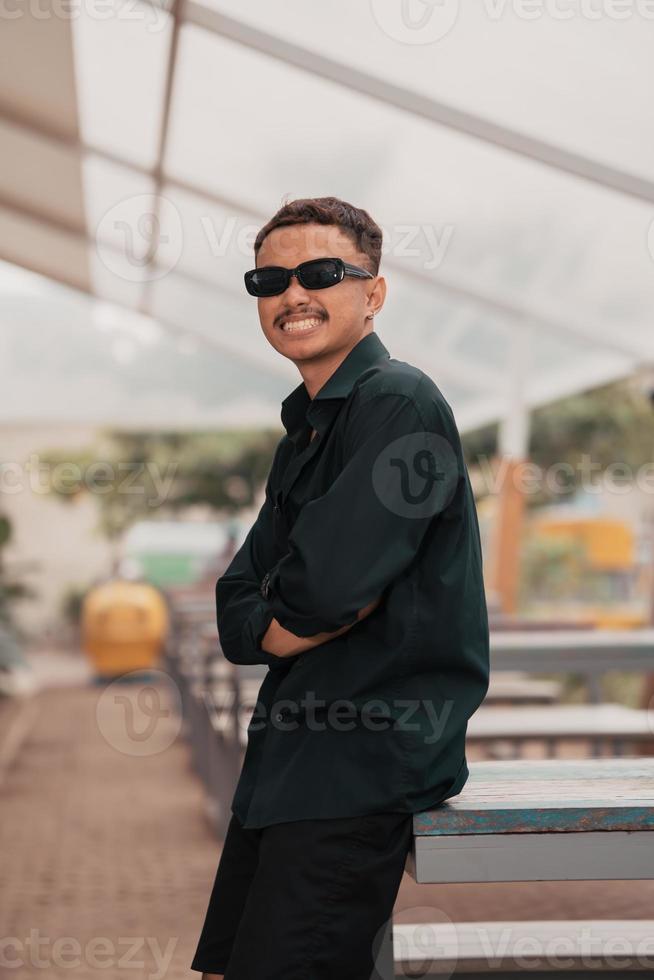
(283, 643)
(249, 631)
(344, 549)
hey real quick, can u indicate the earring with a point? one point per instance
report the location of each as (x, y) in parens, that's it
(370, 315)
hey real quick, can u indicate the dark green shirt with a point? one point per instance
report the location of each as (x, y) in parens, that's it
(378, 503)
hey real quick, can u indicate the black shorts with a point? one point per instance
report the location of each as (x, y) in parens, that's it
(306, 900)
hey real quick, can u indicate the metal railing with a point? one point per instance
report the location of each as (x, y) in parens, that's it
(214, 709)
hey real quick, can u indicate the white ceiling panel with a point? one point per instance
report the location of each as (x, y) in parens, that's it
(577, 74)
(505, 148)
(61, 255)
(25, 157)
(121, 54)
(73, 357)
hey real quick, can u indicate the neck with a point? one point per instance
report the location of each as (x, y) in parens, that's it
(315, 373)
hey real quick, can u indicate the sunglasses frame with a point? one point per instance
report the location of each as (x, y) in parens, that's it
(344, 268)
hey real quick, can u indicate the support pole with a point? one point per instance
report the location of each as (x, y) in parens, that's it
(513, 449)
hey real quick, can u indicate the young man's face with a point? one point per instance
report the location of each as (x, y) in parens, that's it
(337, 314)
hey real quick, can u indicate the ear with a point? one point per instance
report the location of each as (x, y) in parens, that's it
(376, 297)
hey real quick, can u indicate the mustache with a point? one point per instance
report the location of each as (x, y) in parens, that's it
(307, 313)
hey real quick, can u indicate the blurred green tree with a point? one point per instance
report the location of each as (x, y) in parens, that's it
(612, 425)
(139, 475)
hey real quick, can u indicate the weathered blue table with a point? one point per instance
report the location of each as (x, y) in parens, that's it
(536, 820)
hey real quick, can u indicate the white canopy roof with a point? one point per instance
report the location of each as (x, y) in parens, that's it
(508, 157)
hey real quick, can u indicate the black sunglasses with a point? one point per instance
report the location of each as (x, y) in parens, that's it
(271, 280)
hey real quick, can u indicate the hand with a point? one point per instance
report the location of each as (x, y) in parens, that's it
(281, 642)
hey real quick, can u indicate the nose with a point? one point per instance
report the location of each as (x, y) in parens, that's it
(295, 291)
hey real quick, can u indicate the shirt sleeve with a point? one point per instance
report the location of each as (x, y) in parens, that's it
(402, 467)
(243, 614)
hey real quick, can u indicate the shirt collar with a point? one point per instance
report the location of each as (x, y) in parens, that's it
(298, 408)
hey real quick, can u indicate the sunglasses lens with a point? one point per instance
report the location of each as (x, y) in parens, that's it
(266, 281)
(319, 274)
(314, 274)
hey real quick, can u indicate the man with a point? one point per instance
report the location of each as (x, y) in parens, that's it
(360, 587)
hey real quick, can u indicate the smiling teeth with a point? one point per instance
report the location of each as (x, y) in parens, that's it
(300, 325)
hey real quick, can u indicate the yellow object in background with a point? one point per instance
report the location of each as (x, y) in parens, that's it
(609, 619)
(124, 625)
(608, 543)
